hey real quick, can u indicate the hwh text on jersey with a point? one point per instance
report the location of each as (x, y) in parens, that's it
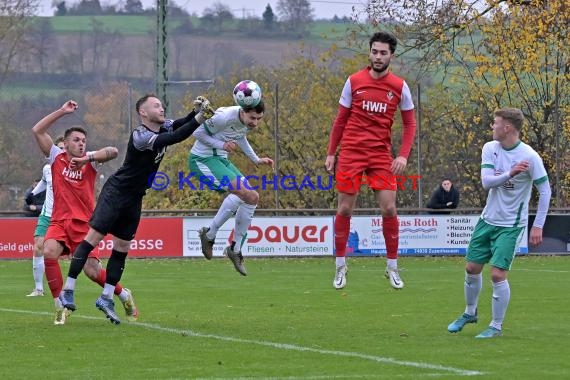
(370, 106)
(72, 174)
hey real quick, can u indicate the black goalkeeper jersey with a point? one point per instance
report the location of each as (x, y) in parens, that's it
(141, 162)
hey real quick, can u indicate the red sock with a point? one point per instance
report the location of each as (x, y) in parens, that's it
(53, 276)
(341, 229)
(103, 277)
(391, 232)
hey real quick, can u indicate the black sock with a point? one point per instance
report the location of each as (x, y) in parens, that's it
(79, 259)
(115, 267)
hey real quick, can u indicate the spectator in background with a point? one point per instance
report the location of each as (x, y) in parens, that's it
(446, 196)
(34, 198)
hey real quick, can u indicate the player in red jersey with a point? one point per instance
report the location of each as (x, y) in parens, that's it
(363, 127)
(74, 200)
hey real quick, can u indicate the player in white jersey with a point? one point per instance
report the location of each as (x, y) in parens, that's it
(215, 140)
(38, 265)
(509, 169)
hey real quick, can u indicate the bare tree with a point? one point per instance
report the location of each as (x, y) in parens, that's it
(41, 41)
(15, 21)
(219, 13)
(297, 14)
(487, 55)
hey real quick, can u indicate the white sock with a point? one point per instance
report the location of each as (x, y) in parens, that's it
(228, 209)
(108, 291)
(244, 216)
(69, 283)
(58, 304)
(340, 261)
(500, 302)
(38, 268)
(392, 263)
(123, 295)
(473, 285)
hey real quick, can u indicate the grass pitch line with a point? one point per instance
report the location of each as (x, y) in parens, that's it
(403, 270)
(281, 346)
(325, 377)
(294, 347)
(541, 270)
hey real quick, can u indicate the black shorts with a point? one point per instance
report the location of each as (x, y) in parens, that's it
(116, 213)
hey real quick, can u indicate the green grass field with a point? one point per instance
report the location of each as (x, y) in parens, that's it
(36, 90)
(201, 320)
(141, 25)
(126, 25)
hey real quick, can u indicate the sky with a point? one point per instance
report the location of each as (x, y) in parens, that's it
(321, 8)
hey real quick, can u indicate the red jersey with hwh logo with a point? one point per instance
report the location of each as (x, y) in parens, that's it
(372, 103)
(73, 190)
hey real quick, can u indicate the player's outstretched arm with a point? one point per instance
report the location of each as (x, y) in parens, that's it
(174, 137)
(180, 122)
(105, 154)
(102, 155)
(40, 129)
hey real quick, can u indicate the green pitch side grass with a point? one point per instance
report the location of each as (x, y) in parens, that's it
(201, 320)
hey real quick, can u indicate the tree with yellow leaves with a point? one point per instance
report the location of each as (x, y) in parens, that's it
(108, 115)
(296, 137)
(485, 55)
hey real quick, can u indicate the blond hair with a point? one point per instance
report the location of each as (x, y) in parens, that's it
(514, 116)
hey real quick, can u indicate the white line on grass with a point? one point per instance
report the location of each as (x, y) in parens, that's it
(325, 377)
(541, 270)
(403, 269)
(282, 346)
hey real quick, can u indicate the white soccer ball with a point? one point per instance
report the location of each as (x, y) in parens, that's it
(247, 93)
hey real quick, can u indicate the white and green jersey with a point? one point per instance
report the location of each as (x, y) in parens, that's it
(507, 203)
(48, 203)
(224, 126)
(45, 185)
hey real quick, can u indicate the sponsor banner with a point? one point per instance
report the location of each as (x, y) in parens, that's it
(268, 236)
(556, 235)
(289, 236)
(17, 238)
(155, 237)
(419, 235)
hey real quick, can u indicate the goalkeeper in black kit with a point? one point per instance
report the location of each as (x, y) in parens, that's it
(118, 209)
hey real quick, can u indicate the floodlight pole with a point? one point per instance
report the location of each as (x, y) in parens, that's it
(161, 52)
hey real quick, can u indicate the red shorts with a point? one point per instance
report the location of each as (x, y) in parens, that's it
(355, 168)
(69, 232)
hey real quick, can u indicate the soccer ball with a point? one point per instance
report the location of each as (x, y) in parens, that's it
(247, 93)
